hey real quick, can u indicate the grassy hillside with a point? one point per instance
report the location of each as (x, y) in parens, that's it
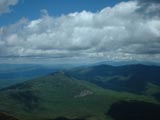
(57, 96)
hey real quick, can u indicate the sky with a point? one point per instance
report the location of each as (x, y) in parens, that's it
(79, 31)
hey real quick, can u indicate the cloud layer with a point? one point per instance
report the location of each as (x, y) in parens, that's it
(6, 4)
(122, 32)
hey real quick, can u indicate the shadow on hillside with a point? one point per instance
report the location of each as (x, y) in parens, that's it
(134, 110)
(4, 116)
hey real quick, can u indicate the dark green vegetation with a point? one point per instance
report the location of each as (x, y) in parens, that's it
(88, 93)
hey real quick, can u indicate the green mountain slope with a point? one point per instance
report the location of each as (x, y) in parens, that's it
(130, 78)
(60, 97)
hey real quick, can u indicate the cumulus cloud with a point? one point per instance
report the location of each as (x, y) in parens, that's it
(6, 4)
(114, 33)
(150, 1)
(149, 8)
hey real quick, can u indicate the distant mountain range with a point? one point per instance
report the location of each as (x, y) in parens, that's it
(101, 92)
(131, 78)
(122, 63)
(11, 74)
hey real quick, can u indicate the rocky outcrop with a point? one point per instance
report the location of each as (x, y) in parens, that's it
(83, 93)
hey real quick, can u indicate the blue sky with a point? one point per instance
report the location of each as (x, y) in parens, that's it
(72, 31)
(31, 8)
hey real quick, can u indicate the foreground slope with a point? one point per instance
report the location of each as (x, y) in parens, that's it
(61, 97)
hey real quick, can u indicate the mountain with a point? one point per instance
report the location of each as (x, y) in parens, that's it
(123, 63)
(73, 95)
(131, 78)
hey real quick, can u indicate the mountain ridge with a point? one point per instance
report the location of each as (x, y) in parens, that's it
(63, 96)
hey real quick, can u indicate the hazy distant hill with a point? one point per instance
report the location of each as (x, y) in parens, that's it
(61, 96)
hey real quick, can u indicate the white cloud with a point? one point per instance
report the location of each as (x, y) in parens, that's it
(114, 33)
(6, 4)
